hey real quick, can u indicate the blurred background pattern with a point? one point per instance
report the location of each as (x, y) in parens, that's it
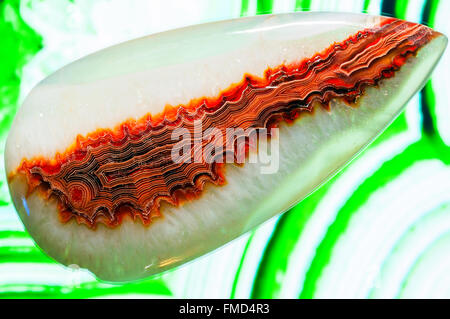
(380, 228)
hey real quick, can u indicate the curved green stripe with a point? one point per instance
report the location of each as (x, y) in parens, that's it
(264, 6)
(302, 5)
(241, 263)
(366, 6)
(22, 43)
(401, 7)
(244, 8)
(388, 172)
(84, 290)
(289, 228)
(424, 149)
(275, 259)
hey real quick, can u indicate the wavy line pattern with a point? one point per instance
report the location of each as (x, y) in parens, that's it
(131, 171)
(307, 252)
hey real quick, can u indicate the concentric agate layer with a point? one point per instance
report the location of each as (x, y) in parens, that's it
(128, 170)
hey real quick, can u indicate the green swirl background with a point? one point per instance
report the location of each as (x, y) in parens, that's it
(380, 228)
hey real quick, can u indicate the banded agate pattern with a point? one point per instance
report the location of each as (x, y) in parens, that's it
(88, 156)
(129, 170)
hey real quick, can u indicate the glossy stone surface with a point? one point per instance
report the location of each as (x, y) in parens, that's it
(141, 77)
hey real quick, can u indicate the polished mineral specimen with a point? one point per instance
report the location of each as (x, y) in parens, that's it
(135, 159)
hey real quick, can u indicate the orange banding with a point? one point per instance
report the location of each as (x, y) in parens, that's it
(128, 170)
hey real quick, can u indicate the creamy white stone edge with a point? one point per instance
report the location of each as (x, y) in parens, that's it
(138, 77)
(311, 150)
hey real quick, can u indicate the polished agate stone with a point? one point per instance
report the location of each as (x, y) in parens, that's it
(90, 154)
